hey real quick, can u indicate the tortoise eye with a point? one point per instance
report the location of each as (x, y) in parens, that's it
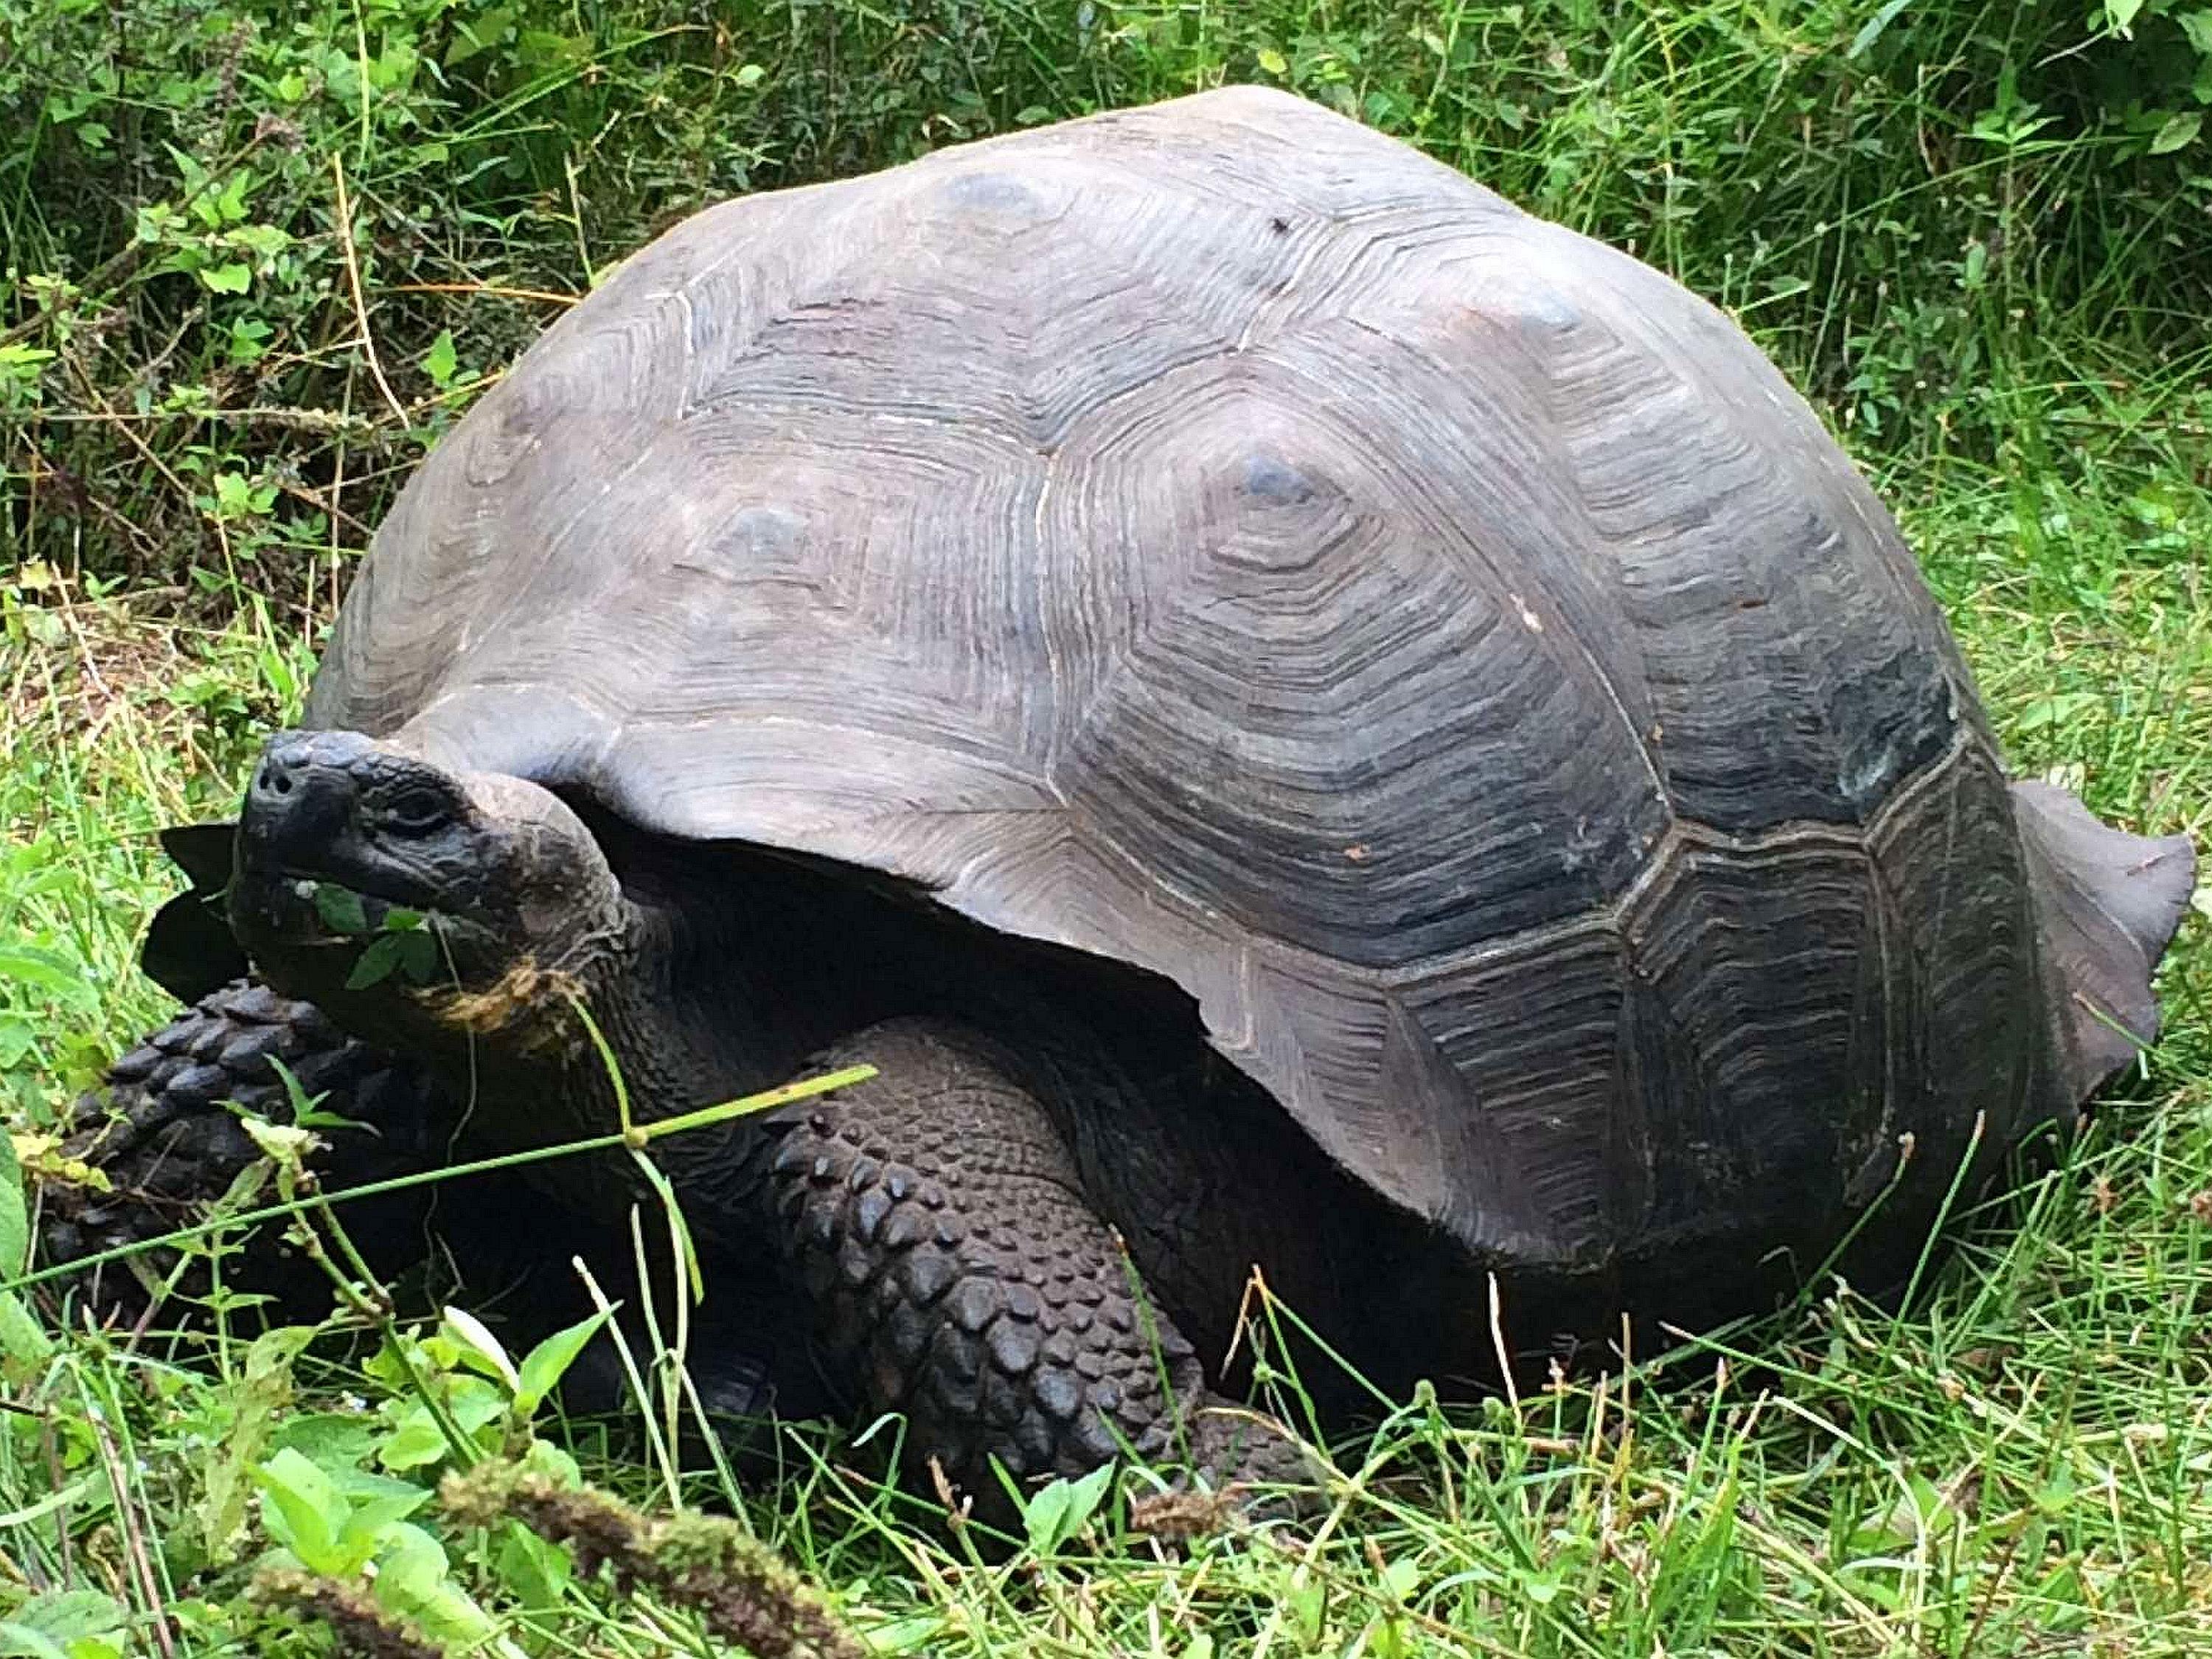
(416, 812)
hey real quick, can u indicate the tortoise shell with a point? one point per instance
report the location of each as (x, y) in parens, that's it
(1216, 537)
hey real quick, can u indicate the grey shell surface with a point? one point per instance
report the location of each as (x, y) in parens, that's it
(1217, 537)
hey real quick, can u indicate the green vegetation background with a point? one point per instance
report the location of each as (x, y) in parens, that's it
(255, 257)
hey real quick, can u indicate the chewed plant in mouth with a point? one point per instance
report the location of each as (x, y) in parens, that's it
(392, 939)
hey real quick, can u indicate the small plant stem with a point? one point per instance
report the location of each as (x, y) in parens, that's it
(667, 1362)
(353, 1256)
(370, 1311)
(650, 1132)
(353, 283)
(487, 290)
(456, 1438)
(342, 1284)
(134, 1537)
(662, 1454)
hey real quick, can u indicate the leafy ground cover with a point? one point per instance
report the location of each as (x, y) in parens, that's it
(257, 257)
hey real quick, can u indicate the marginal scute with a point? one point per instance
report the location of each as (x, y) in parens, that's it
(1966, 981)
(1750, 968)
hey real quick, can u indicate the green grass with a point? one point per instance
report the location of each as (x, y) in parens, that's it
(2019, 1462)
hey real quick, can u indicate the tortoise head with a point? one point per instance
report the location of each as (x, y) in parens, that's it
(410, 900)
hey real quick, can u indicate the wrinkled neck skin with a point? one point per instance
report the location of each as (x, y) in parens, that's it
(685, 1015)
(669, 996)
(668, 993)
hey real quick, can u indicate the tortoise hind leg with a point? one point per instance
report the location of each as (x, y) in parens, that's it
(934, 1223)
(161, 1132)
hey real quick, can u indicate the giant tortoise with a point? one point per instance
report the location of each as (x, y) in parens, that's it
(1302, 719)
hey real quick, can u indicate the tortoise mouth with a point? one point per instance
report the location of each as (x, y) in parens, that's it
(355, 865)
(308, 907)
(322, 933)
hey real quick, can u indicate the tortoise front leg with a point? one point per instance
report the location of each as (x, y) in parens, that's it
(163, 1131)
(935, 1224)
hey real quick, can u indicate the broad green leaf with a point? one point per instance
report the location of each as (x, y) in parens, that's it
(362, 1486)
(303, 1510)
(475, 1401)
(1043, 1515)
(410, 1563)
(418, 955)
(377, 961)
(537, 1573)
(24, 1340)
(331, 1440)
(448, 1614)
(19, 1641)
(479, 1348)
(470, 1401)
(1090, 1492)
(370, 1529)
(544, 1365)
(2180, 131)
(439, 362)
(340, 910)
(413, 951)
(67, 1616)
(230, 277)
(15, 1214)
(1057, 1512)
(416, 1443)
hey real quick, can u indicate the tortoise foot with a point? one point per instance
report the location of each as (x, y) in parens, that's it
(167, 1130)
(957, 1274)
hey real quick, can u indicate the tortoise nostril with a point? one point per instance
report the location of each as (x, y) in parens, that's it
(297, 803)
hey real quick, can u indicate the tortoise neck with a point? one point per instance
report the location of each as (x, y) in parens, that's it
(682, 1018)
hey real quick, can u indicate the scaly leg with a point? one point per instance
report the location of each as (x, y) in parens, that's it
(936, 1225)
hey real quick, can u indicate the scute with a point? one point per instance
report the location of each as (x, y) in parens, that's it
(1217, 537)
